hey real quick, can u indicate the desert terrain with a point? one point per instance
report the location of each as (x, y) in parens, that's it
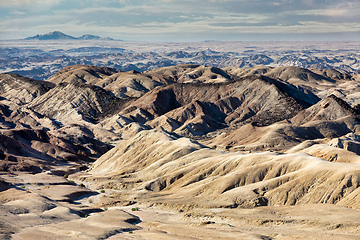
(186, 151)
(41, 59)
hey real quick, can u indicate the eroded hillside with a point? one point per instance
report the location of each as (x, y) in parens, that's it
(192, 138)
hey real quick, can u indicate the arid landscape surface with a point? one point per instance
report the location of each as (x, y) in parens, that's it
(41, 59)
(187, 151)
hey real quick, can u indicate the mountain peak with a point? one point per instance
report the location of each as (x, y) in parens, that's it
(93, 37)
(89, 36)
(57, 35)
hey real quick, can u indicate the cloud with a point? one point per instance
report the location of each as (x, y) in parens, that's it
(162, 18)
(16, 12)
(26, 3)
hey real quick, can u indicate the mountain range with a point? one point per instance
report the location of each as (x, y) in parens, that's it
(56, 35)
(178, 151)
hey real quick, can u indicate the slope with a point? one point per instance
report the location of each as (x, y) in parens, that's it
(85, 73)
(76, 101)
(329, 118)
(180, 172)
(200, 108)
(38, 150)
(22, 90)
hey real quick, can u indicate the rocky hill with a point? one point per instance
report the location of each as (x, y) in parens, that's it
(187, 137)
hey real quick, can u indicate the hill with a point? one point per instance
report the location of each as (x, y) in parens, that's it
(255, 153)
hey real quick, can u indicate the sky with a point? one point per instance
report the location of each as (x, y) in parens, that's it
(184, 20)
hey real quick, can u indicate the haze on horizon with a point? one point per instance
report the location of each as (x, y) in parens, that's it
(185, 20)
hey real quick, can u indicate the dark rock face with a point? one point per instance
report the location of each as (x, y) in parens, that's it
(4, 185)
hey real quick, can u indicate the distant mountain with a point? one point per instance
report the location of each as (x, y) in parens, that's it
(51, 36)
(94, 37)
(62, 36)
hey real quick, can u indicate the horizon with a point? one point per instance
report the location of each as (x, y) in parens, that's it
(181, 21)
(77, 36)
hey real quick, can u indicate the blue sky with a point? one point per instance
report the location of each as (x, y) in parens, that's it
(185, 20)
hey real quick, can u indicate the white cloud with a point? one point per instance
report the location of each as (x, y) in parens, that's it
(23, 3)
(335, 12)
(16, 12)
